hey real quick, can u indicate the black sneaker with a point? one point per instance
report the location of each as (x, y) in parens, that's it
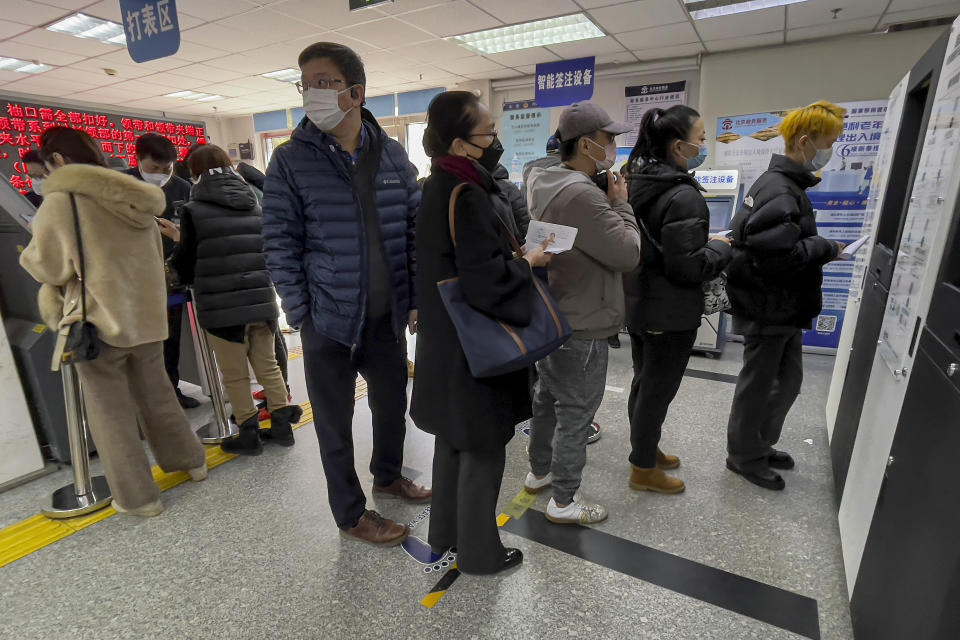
(614, 341)
(186, 401)
(781, 460)
(762, 477)
(247, 442)
(281, 425)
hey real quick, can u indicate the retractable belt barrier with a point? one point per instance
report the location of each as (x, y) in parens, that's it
(219, 428)
(86, 494)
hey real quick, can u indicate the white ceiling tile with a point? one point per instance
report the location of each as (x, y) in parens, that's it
(69, 44)
(45, 86)
(213, 9)
(528, 69)
(905, 5)
(71, 5)
(9, 29)
(452, 19)
(496, 75)
(248, 63)
(226, 90)
(141, 87)
(398, 7)
(89, 78)
(593, 4)
(814, 12)
(326, 15)
(9, 76)
(665, 36)
(624, 57)
(638, 15)
(171, 82)
(97, 65)
(386, 33)
(193, 52)
(358, 46)
(109, 10)
(741, 24)
(216, 35)
(840, 27)
(595, 47)
(434, 50)
(745, 42)
(512, 11)
(33, 13)
(381, 79)
(663, 53)
(123, 57)
(270, 22)
(522, 57)
(212, 74)
(12, 49)
(935, 11)
(257, 84)
(473, 64)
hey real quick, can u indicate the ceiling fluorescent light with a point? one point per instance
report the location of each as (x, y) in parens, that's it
(84, 26)
(193, 95)
(530, 34)
(703, 9)
(208, 98)
(22, 66)
(284, 75)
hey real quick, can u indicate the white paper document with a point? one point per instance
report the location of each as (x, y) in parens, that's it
(853, 247)
(561, 237)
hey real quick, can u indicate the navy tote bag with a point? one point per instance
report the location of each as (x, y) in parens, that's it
(493, 347)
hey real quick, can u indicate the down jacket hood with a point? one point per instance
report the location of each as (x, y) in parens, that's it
(546, 184)
(650, 180)
(134, 201)
(224, 187)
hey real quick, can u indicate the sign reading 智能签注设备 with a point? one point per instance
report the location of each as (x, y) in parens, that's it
(561, 83)
(151, 28)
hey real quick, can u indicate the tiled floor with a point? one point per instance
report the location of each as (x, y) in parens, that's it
(253, 552)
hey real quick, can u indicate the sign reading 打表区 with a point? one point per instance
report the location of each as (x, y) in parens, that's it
(151, 28)
(562, 83)
(22, 124)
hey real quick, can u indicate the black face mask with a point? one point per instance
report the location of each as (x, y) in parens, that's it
(491, 156)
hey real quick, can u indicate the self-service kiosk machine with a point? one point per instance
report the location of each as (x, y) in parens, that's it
(723, 195)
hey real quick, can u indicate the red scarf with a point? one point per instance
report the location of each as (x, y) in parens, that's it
(460, 167)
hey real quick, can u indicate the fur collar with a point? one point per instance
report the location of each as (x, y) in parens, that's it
(134, 200)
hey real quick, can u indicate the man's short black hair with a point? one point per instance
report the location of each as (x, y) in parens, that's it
(568, 149)
(32, 157)
(345, 59)
(155, 146)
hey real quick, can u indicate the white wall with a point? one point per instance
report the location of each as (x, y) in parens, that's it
(240, 129)
(21, 453)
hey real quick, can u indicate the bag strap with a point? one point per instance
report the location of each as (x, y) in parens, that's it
(83, 276)
(646, 232)
(457, 190)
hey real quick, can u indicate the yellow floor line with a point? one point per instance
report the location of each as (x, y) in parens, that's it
(36, 532)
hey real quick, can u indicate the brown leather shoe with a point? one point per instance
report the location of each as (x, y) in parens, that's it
(654, 480)
(404, 489)
(665, 461)
(379, 531)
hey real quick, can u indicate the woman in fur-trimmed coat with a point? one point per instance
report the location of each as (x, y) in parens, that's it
(125, 301)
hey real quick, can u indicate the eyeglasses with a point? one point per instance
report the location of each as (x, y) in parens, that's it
(319, 83)
(492, 134)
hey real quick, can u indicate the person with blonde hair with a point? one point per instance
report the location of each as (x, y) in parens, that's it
(774, 287)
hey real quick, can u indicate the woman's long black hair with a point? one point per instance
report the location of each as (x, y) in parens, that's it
(658, 129)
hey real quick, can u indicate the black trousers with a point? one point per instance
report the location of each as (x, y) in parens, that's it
(463, 512)
(331, 372)
(171, 346)
(280, 348)
(768, 385)
(659, 361)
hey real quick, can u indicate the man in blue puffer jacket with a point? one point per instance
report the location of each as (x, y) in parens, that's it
(339, 213)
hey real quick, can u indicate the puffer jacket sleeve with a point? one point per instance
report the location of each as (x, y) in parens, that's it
(521, 214)
(413, 205)
(688, 256)
(499, 287)
(772, 234)
(284, 234)
(184, 259)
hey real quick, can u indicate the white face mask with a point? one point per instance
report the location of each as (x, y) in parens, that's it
(323, 107)
(159, 179)
(38, 185)
(820, 159)
(610, 155)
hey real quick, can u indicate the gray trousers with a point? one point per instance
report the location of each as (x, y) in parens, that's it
(565, 400)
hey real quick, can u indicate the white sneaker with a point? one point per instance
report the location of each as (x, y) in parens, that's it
(198, 474)
(577, 512)
(534, 485)
(146, 511)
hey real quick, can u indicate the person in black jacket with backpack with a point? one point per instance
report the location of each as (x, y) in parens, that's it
(221, 256)
(774, 288)
(665, 293)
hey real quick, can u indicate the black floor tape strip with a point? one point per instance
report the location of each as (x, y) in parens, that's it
(711, 375)
(762, 602)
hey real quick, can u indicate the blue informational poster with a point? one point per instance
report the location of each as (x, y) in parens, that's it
(151, 28)
(562, 83)
(840, 200)
(523, 136)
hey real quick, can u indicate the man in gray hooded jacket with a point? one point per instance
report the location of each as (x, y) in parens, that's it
(587, 284)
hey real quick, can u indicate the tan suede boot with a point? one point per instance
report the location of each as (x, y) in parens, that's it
(667, 462)
(654, 480)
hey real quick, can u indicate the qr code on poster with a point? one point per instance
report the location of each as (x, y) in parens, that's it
(827, 324)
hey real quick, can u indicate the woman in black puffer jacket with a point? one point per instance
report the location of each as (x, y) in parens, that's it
(221, 256)
(664, 295)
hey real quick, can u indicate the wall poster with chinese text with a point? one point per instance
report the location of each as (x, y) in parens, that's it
(524, 136)
(644, 97)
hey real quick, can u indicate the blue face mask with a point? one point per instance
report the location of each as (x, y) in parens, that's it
(697, 160)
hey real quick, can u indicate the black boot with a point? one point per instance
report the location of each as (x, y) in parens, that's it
(281, 424)
(247, 442)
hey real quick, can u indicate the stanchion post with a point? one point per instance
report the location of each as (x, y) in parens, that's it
(218, 429)
(85, 495)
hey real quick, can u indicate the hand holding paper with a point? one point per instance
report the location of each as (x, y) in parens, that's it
(559, 238)
(849, 251)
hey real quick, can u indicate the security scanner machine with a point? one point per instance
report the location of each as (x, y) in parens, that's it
(898, 164)
(723, 196)
(899, 517)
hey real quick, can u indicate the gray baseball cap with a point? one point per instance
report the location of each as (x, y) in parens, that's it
(582, 118)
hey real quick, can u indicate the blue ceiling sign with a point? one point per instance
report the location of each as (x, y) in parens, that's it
(151, 27)
(562, 83)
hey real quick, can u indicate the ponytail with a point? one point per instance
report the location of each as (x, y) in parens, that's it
(658, 130)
